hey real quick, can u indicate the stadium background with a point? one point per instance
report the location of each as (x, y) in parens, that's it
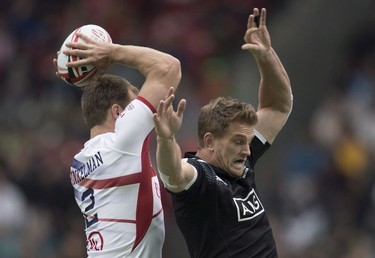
(317, 182)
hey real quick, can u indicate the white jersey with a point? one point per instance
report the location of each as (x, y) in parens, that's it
(117, 189)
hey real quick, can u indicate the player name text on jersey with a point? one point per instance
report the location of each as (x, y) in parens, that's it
(80, 171)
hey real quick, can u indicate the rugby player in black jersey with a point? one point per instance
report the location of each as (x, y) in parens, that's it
(215, 198)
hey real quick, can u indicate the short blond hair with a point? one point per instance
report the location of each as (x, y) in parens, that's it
(219, 113)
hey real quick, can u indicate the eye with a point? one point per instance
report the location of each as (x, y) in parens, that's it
(239, 142)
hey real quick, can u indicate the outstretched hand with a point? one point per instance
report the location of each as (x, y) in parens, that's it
(168, 121)
(257, 38)
(97, 53)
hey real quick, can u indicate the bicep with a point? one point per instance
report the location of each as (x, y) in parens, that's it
(133, 126)
(157, 85)
(153, 92)
(270, 122)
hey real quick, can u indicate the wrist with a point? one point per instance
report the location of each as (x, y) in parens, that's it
(115, 53)
(169, 139)
(264, 56)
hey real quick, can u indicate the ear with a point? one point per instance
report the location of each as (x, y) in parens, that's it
(115, 111)
(209, 141)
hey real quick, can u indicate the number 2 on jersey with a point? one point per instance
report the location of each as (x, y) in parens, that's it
(89, 219)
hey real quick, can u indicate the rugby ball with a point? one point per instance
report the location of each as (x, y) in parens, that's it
(80, 76)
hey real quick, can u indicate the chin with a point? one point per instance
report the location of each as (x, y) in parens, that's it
(236, 174)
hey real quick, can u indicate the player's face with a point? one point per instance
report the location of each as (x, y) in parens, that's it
(231, 150)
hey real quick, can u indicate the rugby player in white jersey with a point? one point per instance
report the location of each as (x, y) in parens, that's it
(214, 193)
(114, 184)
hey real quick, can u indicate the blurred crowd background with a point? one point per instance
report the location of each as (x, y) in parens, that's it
(318, 180)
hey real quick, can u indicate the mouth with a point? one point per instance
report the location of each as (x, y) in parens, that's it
(239, 164)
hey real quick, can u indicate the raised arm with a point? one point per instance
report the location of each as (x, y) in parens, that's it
(174, 172)
(275, 94)
(161, 71)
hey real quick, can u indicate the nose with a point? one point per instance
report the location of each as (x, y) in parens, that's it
(246, 150)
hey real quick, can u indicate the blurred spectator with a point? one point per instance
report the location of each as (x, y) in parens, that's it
(13, 217)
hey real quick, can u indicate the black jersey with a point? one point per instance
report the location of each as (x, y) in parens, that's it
(221, 216)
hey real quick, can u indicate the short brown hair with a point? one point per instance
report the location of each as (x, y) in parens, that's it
(216, 116)
(101, 94)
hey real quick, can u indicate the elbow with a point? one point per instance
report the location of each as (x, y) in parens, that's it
(287, 107)
(282, 107)
(171, 70)
(175, 68)
(174, 65)
(281, 104)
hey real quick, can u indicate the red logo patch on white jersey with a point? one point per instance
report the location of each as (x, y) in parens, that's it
(95, 241)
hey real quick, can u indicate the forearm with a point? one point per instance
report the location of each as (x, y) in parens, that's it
(168, 156)
(275, 90)
(148, 61)
(162, 71)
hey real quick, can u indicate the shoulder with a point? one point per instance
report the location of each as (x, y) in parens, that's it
(206, 174)
(146, 103)
(259, 146)
(136, 118)
(138, 105)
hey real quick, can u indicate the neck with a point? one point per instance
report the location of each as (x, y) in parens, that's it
(205, 155)
(100, 129)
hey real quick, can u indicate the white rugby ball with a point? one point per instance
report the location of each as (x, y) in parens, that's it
(80, 76)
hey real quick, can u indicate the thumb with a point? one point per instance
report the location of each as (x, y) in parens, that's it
(156, 119)
(248, 46)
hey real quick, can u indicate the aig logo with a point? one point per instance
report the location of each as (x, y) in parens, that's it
(249, 207)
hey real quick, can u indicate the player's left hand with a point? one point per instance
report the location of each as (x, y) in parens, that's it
(257, 38)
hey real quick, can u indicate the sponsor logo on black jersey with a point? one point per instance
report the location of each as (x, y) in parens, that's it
(248, 207)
